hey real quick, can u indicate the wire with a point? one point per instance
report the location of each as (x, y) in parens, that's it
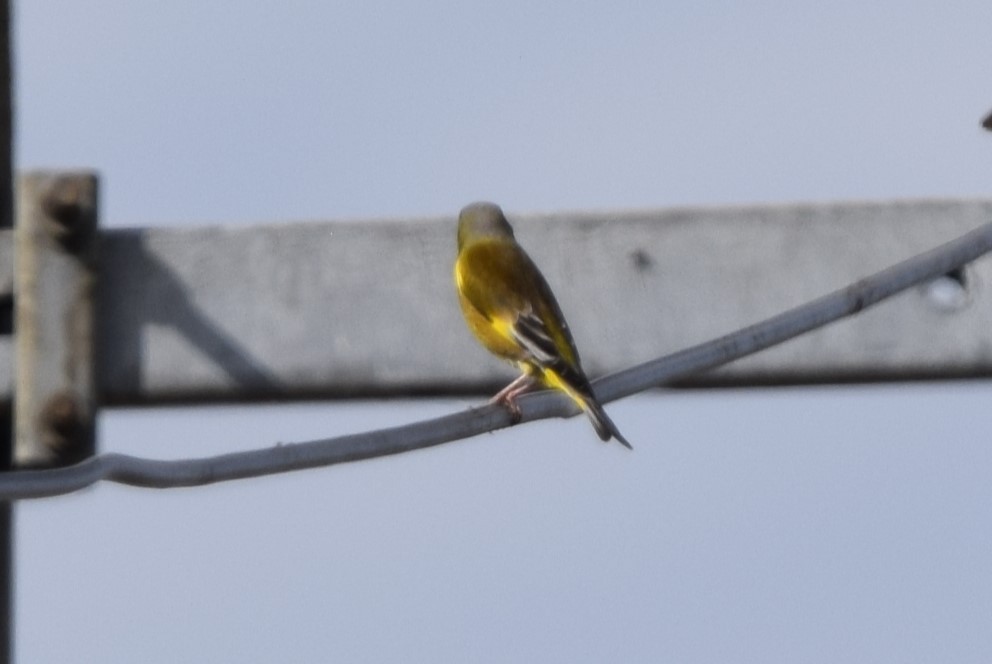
(160, 474)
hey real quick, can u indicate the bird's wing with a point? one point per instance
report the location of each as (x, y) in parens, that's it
(533, 335)
(504, 286)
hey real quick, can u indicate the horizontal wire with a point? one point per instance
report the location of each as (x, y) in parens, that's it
(162, 474)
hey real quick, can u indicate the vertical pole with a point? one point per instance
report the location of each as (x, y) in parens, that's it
(55, 245)
(6, 327)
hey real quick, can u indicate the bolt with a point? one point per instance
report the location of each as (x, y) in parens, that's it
(642, 260)
(64, 430)
(67, 201)
(61, 416)
(63, 200)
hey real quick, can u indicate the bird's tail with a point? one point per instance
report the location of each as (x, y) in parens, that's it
(577, 387)
(601, 421)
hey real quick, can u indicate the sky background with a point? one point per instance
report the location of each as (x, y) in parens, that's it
(778, 525)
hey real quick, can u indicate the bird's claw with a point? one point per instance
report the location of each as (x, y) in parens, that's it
(507, 397)
(508, 402)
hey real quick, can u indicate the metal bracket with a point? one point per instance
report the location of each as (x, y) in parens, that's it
(55, 287)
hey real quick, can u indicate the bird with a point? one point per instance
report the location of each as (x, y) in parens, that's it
(511, 310)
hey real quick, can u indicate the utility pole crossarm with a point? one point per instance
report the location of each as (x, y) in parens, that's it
(368, 308)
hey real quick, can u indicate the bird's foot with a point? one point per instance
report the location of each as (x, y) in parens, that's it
(512, 407)
(507, 397)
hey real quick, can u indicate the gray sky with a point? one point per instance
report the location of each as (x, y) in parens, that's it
(830, 524)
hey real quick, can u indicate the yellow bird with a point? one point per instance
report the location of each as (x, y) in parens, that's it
(511, 310)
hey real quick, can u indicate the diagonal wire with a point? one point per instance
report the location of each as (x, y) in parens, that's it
(136, 471)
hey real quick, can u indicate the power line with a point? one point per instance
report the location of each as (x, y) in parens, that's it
(151, 473)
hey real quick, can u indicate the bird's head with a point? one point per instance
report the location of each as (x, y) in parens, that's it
(481, 220)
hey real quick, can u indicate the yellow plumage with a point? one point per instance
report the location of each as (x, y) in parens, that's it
(511, 310)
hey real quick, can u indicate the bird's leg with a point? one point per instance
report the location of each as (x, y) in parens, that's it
(508, 395)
